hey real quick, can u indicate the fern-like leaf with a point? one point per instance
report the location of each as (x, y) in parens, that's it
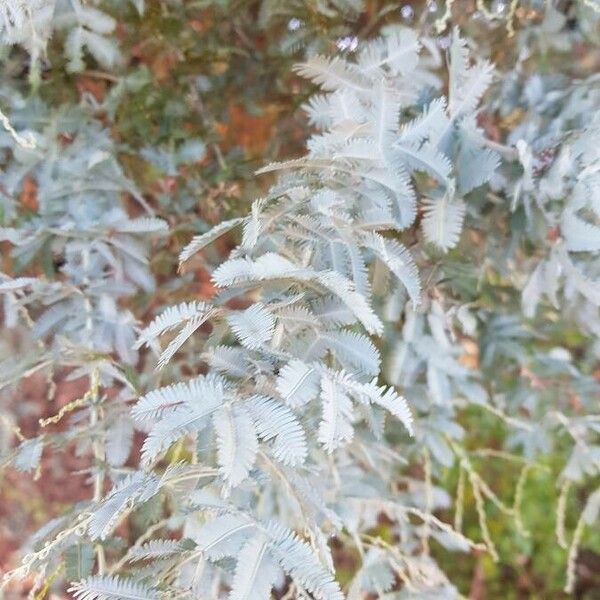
(236, 443)
(397, 51)
(336, 427)
(428, 126)
(467, 84)
(298, 383)
(255, 572)
(298, 560)
(355, 350)
(142, 225)
(224, 535)
(194, 403)
(155, 549)
(399, 261)
(443, 221)
(201, 241)
(170, 318)
(109, 587)
(333, 74)
(277, 423)
(253, 326)
(580, 236)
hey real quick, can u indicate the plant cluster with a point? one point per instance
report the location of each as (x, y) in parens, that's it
(412, 300)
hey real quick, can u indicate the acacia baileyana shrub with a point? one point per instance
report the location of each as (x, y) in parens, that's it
(429, 262)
